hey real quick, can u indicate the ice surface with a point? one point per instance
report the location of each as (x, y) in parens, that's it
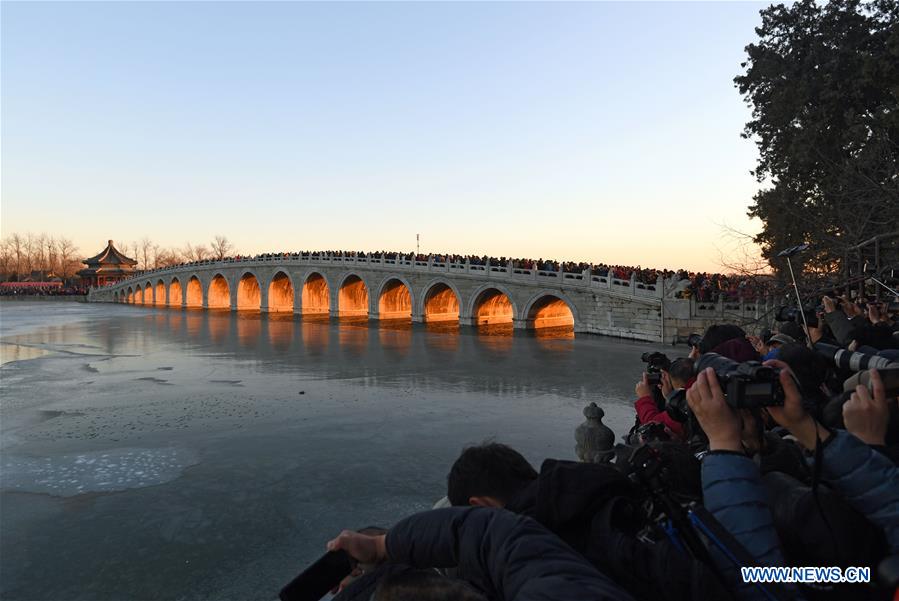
(101, 471)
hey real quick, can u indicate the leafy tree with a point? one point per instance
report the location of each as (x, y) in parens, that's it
(823, 84)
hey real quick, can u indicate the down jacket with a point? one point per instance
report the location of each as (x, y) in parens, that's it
(868, 480)
(507, 556)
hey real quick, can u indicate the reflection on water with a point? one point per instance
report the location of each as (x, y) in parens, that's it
(395, 336)
(349, 347)
(280, 331)
(249, 329)
(219, 325)
(353, 337)
(17, 352)
(298, 427)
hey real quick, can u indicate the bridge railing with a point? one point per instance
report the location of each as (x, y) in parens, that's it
(486, 270)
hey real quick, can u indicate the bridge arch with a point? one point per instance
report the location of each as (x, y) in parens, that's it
(249, 293)
(115, 296)
(218, 293)
(440, 301)
(193, 296)
(316, 294)
(159, 293)
(492, 304)
(176, 293)
(395, 299)
(149, 296)
(138, 295)
(129, 296)
(550, 309)
(280, 292)
(352, 296)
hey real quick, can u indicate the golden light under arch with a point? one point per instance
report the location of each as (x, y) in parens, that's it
(316, 297)
(219, 294)
(175, 293)
(441, 304)
(159, 293)
(249, 296)
(352, 298)
(550, 311)
(493, 307)
(280, 294)
(395, 301)
(194, 296)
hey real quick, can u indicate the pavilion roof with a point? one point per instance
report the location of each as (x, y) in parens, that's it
(109, 255)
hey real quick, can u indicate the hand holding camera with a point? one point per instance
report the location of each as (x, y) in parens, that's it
(792, 415)
(643, 387)
(719, 421)
(364, 548)
(867, 415)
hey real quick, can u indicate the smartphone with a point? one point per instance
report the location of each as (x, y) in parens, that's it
(319, 578)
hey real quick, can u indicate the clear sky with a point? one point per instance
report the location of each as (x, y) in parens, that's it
(603, 132)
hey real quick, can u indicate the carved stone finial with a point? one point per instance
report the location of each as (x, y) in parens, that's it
(594, 439)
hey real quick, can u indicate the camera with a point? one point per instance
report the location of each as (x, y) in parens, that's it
(656, 362)
(676, 406)
(850, 360)
(649, 432)
(888, 375)
(787, 313)
(319, 578)
(748, 385)
(694, 340)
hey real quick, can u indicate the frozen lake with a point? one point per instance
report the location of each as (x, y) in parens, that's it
(169, 454)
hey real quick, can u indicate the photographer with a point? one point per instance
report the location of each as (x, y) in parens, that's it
(731, 481)
(594, 508)
(503, 555)
(864, 477)
(867, 416)
(674, 381)
(867, 329)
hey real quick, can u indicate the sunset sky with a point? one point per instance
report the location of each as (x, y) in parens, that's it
(601, 132)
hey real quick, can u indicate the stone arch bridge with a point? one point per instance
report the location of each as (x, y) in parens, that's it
(423, 291)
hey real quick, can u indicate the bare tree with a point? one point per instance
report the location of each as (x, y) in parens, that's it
(167, 256)
(66, 255)
(145, 253)
(17, 250)
(6, 259)
(195, 253)
(221, 247)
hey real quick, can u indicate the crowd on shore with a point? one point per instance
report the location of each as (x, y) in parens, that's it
(704, 287)
(40, 289)
(713, 481)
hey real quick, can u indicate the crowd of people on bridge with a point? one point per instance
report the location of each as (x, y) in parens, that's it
(704, 287)
(710, 481)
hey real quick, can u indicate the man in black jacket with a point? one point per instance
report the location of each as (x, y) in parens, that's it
(506, 556)
(592, 507)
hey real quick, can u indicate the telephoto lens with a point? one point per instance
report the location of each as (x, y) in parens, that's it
(889, 376)
(851, 360)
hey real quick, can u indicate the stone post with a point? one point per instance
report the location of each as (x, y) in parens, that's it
(594, 439)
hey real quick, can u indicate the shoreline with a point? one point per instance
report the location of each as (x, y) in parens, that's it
(78, 298)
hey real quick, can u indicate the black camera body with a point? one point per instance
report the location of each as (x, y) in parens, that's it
(794, 314)
(748, 385)
(655, 363)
